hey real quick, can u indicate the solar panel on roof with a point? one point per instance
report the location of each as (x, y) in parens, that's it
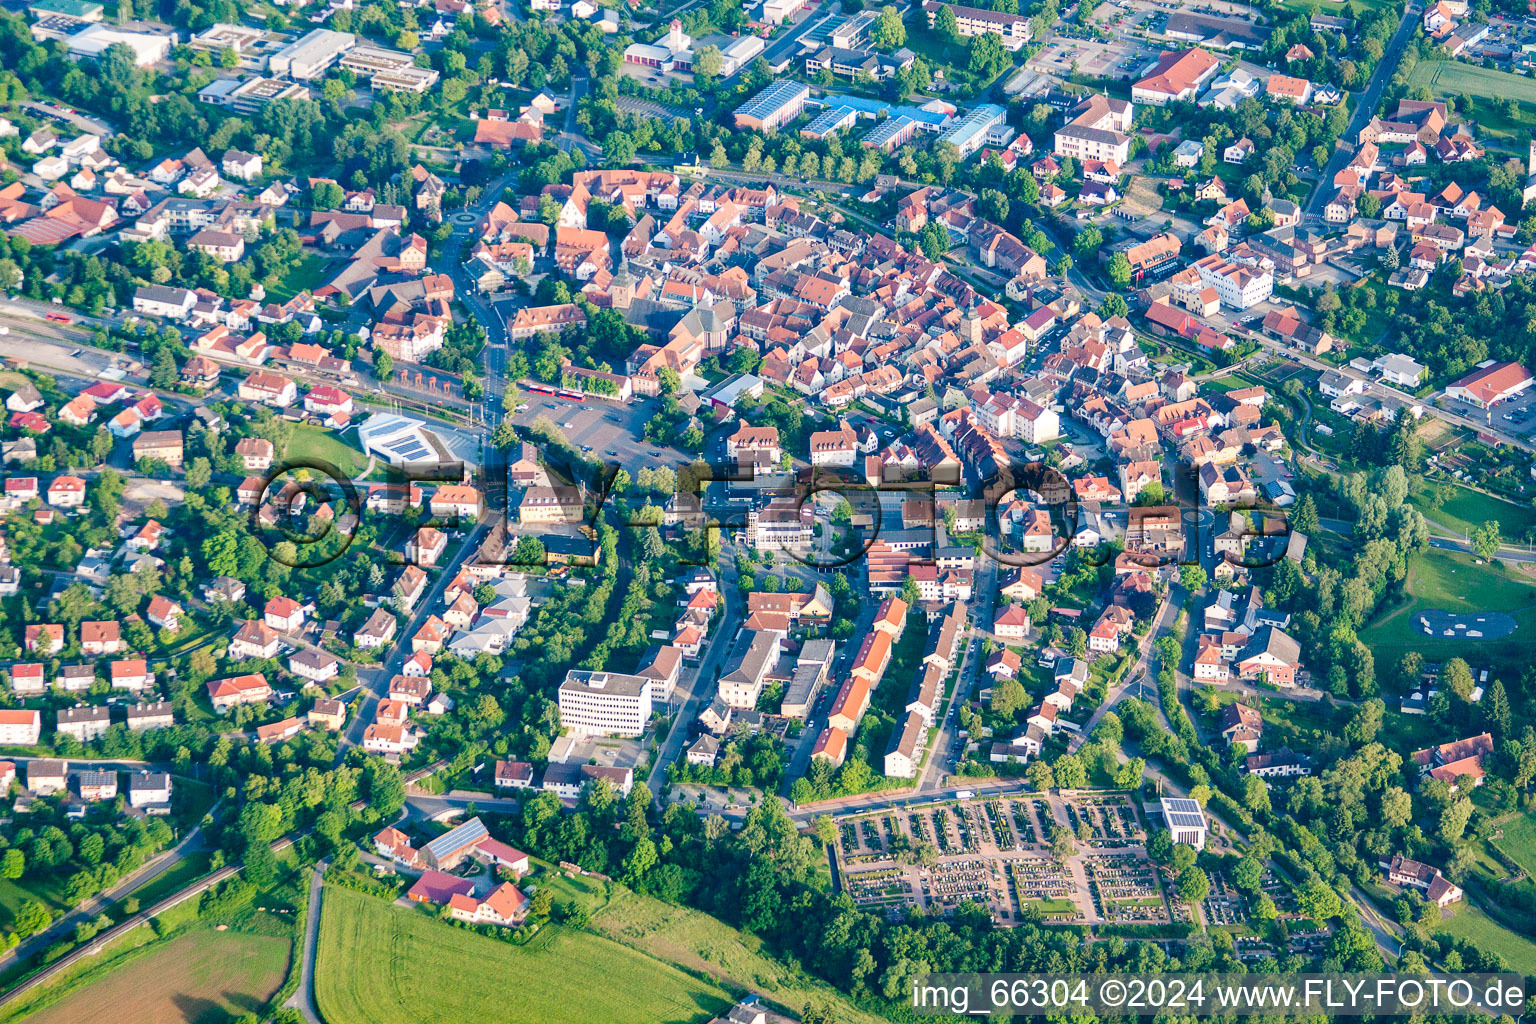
(458, 837)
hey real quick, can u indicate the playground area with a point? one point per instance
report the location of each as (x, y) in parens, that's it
(1487, 626)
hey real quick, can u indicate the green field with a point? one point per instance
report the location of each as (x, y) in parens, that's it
(1518, 842)
(1467, 509)
(1453, 581)
(309, 442)
(700, 943)
(1472, 925)
(386, 964)
(198, 977)
(307, 275)
(174, 878)
(1060, 905)
(1453, 78)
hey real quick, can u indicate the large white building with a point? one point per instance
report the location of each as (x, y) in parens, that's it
(161, 300)
(148, 47)
(1238, 285)
(783, 524)
(1097, 131)
(1012, 29)
(1185, 820)
(604, 703)
(308, 56)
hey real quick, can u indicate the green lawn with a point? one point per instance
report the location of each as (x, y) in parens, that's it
(180, 875)
(1518, 842)
(387, 964)
(49, 892)
(702, 944)
(311, 442)
(1472, 925)
(1452, 581)
(1307, 6)
(1466, 509)
(1058, 905)
(307, 275)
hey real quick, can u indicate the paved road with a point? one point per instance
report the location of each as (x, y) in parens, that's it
(701, 688)
(1365, 109)
(78, 121)
(1160, 625)
(375, 681)
(984, 595)
(569, 138)
(423, 806)
(303, 998)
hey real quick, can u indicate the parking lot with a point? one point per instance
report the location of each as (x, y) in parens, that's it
(611, 431)
(1121, 58)
(1516, 416)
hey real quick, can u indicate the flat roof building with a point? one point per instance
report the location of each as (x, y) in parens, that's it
(604, 703)
(388, 70)
(251, 95)
(776, 105)
(93, 40)
(308, 56)
(986, 124)
(80, 11)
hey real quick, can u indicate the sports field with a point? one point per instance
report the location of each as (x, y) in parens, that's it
(316, 443)
(382, 964)
(1453, 581)
(701, 943)
(200, 977)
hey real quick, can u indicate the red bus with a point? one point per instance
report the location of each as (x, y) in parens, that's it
(62, 318)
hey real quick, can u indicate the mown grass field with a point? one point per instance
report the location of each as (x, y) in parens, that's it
(1474, 926)
(382, 964)
(702, 943)
(174, 878)
(306, 275)
(317, 443)
(1466, 509)
(1518, 842)
(49, 892)
(1453, 581)
(199, 977)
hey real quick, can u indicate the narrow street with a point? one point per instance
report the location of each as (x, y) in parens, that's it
(303, 999)
(700, 688)
(375, 681)
(1365, 109)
